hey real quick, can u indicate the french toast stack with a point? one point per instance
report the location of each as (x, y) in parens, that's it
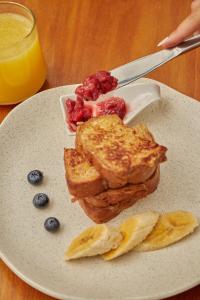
(112, 166)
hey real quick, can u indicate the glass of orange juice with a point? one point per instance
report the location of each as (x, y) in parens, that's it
(22, 66)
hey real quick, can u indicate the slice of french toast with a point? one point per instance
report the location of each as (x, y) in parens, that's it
(126, 193)
(94, 209)
(82, 178)
(120, 153)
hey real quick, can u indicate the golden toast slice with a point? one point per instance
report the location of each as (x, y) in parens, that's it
(126, 193)
(120, 153)
(104, 207)
(82, 178)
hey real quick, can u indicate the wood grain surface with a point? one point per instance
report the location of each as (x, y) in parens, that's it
(79, 37)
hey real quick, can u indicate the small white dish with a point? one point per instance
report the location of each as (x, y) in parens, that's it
(137, 96)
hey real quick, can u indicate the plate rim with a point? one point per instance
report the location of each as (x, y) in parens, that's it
(23, 103)
(69, 297)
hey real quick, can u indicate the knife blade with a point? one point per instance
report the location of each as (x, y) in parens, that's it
(138, 68)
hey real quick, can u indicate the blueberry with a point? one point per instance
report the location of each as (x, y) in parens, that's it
(40, 200)
(51, 224)
(35, 177)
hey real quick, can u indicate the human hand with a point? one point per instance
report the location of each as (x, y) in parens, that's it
(189, 26)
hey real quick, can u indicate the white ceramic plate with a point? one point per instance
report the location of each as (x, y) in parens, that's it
(33, 137)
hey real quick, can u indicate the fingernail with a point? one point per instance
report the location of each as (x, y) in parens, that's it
(162, 42)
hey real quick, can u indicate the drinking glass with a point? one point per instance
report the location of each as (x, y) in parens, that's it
(22, 66)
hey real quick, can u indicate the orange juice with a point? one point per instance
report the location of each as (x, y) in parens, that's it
(22, 67)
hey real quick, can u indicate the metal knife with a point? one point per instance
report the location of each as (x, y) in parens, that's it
(144, 65)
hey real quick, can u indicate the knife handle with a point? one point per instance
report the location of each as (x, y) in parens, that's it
(189, 44)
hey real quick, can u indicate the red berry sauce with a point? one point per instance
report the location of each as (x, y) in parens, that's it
(93, 86)
(110, 106)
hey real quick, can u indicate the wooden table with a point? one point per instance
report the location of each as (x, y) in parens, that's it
(80, 37)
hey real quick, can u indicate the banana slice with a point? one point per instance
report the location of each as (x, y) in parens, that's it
(134, 230)
(93, 241)
(170, 228)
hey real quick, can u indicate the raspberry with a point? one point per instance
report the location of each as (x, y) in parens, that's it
(79, 103)
(70, 104)
(76, 116)
(110, 106)
(89, 92)
(72, 126)
(108, 85)
(107, 82)
(87, 113)
(92, 79)
(95, 85)
(102, 75)
(77, 112)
